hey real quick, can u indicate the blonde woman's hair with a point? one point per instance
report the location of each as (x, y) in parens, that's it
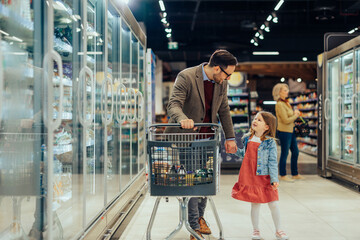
(269, 120)
(276, 90)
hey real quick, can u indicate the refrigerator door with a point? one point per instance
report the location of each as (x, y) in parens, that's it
(22, 148)
(126, 127)
(357, 99)
(141, 108)
(333, 94)
(134, 104)
(347, 91)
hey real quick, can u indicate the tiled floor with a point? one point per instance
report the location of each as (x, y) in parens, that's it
(311, 209)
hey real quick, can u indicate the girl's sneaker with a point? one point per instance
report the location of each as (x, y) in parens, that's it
(256, 235)
(281, 235)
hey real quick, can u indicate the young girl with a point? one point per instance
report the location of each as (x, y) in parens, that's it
(258, 177)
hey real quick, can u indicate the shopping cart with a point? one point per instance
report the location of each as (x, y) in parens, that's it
(183, 164)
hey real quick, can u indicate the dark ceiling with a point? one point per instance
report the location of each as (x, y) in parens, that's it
(202, 26)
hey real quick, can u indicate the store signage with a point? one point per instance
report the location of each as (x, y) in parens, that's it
(173, 45)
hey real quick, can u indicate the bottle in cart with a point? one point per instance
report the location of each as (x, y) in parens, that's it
(172, 175)
(182, 176)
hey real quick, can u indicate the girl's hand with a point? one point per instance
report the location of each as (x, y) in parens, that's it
(274, 185)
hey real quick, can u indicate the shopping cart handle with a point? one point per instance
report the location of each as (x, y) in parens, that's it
(179, 125)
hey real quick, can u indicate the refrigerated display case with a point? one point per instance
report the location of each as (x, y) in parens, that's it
(72, 145)
(339, 93)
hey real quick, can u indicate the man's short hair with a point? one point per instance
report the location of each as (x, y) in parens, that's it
(222, 58)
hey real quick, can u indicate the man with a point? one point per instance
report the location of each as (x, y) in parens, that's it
(199, 95)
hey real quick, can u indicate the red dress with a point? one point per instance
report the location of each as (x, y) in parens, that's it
(251, 187)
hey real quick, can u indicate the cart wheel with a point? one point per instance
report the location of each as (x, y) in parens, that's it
(167, 199)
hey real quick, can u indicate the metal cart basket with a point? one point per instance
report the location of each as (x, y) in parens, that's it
(183, 163)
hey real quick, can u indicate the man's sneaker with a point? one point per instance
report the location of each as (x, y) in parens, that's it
(199, 233)
(256, 235)
(204, 229)
(298, 177)
(286, 179)
(281, 235)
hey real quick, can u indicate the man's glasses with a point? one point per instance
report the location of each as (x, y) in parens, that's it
(227, 75)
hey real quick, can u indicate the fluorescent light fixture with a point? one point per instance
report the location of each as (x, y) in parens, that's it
(167, 25)
(262, 26)
(168, 35)
(269, 18)
(252, 40)
(267, 29)
(304, 59)
(275, 20)
(277, 7)
(163, 20)
(257, 34)
(269, 102)
(5, 33)
(299, 80)
(351, 31)
(90, 53)
(282, 79)
(261, 37)
(162, 6)
(164, 14)
(256, 44)
(266, 53)
(168, 30)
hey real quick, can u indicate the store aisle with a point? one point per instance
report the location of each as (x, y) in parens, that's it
(311, 209)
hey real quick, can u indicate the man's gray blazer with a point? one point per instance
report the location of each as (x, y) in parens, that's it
(187, 101)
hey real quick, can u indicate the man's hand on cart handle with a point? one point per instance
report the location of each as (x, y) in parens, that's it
(188, 124)
(230, 146)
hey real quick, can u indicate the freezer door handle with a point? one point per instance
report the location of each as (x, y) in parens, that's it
(82, 96)
(120, 92)
(48, 77)
(326, 107)
(1, 80)
(140, 105)
(339, 100)
(354, 106)
(132, 96)
(104, 99)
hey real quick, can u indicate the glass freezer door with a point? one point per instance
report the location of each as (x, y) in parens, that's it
(347, 90)
(333, 94)
(357, 99)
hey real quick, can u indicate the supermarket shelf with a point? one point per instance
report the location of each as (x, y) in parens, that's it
(307, 109)
(347, 85)
(308, 152)
(307, 142)
(313, 135)
(310, 117)
(348, 115)
(65, 115)
(239, 95)
(238, 104)
(313, 126)
(22, 23)
(239, 115)
(306, 101)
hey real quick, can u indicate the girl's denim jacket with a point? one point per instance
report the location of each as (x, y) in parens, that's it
(266, 158)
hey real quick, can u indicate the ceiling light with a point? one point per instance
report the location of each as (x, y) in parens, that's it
(282, 79)
(168, 35)
(261, 37)
(269, 102)
(267, 29)
(257, 34)
(266, 53)
(298, 80)
(269, 18)
(262, 26)
(252, 40)
(304, 59)
(162, 6)
(168, 30)
(275, 20)
(351, 31)
(5, 33)
(163, 20)
(256, 44)
(277, 7)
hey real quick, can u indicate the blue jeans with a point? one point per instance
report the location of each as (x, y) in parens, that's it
(196, 209)
(288, 141)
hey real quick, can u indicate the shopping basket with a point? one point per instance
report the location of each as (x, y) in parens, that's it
(183, 163)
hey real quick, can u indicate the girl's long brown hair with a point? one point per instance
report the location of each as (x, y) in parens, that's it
(270, 120)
